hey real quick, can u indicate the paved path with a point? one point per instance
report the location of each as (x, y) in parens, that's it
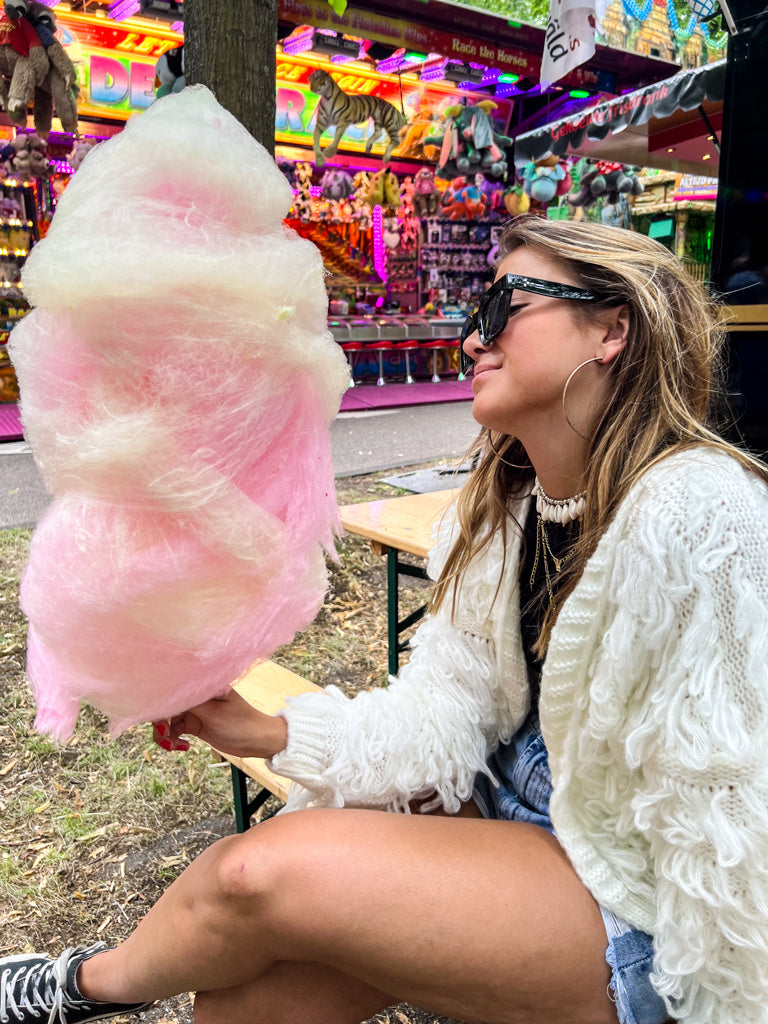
(363, 442)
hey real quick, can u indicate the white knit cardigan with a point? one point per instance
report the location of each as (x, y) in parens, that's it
(654, 709)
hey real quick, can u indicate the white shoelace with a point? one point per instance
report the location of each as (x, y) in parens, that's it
(49, 989)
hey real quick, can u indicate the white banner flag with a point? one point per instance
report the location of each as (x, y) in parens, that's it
(569, 39)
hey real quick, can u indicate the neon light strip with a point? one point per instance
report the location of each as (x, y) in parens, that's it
(379, 260)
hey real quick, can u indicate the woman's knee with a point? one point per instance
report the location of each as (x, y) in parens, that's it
(276, 854)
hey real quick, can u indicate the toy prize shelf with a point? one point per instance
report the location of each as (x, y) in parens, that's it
(18, 233)
(453, 259)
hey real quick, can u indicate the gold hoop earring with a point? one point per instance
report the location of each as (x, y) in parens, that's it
(495, 451)
(571, 375)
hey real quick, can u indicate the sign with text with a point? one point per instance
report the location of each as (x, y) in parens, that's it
(422, 38)
(115, 65)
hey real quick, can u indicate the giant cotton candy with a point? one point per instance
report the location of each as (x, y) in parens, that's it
(177, 383)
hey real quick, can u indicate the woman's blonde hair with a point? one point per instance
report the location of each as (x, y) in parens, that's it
(660, 396)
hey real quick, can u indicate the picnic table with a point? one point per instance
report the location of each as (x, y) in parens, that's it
(397, 526)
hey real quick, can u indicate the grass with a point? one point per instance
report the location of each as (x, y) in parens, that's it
(95, 829)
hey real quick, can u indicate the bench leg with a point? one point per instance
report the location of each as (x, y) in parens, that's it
(244, 810)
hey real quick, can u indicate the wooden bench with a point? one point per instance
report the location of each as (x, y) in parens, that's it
(266, 687)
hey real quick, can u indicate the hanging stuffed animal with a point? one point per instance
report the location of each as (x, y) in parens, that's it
(609, 180)
(467, 141)
(336, 185)
(413, 133)
(463, 200)
(57, 89)
(169, 72)
(545, 179)
(426, 194)
(515, 200)
(339, 108)
(23, 64)
(383, 190)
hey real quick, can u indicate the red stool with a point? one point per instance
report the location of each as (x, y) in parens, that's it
(434, 347)
(350, 348)
(445, 335)
(407, 347)
(379, 347)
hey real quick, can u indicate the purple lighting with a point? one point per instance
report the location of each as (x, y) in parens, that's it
(391, 63)
(124, 9)
(433, 73)
(298, 42)
(379, 259)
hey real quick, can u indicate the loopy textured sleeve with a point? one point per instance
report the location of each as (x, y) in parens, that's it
(426, 735)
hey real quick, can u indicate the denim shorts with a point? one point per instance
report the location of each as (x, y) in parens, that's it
(525, 785)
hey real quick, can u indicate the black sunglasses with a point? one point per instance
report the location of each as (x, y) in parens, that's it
(493, 311)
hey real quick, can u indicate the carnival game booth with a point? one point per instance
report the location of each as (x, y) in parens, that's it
(405, 220)
(404, 213)
(646, 160)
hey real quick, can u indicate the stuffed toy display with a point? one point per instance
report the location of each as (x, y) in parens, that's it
(413, 135)
(408, 220)
(545, 179)
(29, 159)
(169, 71)
(468, 142)
(79, 152)
(608, 180)
(302, 201)
(342, 110)
(188, 453)
(383, 190)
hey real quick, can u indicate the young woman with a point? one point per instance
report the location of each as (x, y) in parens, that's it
(585, 710)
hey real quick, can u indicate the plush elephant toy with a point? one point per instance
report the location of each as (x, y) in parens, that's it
(606, 179)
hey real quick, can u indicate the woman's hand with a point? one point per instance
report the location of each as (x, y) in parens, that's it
(229, 724)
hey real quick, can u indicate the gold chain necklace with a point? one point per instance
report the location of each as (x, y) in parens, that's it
(552, 564)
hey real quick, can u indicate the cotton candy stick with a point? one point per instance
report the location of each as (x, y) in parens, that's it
(177, 385)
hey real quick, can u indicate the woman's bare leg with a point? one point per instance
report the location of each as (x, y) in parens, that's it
(294, 992)
(477, 920)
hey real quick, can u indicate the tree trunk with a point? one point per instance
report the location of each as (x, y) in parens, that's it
(229, 46)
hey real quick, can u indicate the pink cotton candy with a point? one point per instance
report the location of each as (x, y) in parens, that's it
(177, 384)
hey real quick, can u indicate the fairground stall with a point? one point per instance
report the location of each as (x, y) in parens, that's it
(647, 160)
(404, 192)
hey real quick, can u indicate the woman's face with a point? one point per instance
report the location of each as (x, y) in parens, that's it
(518, 381)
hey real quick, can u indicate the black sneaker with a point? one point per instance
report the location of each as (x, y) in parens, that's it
(33, 987)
